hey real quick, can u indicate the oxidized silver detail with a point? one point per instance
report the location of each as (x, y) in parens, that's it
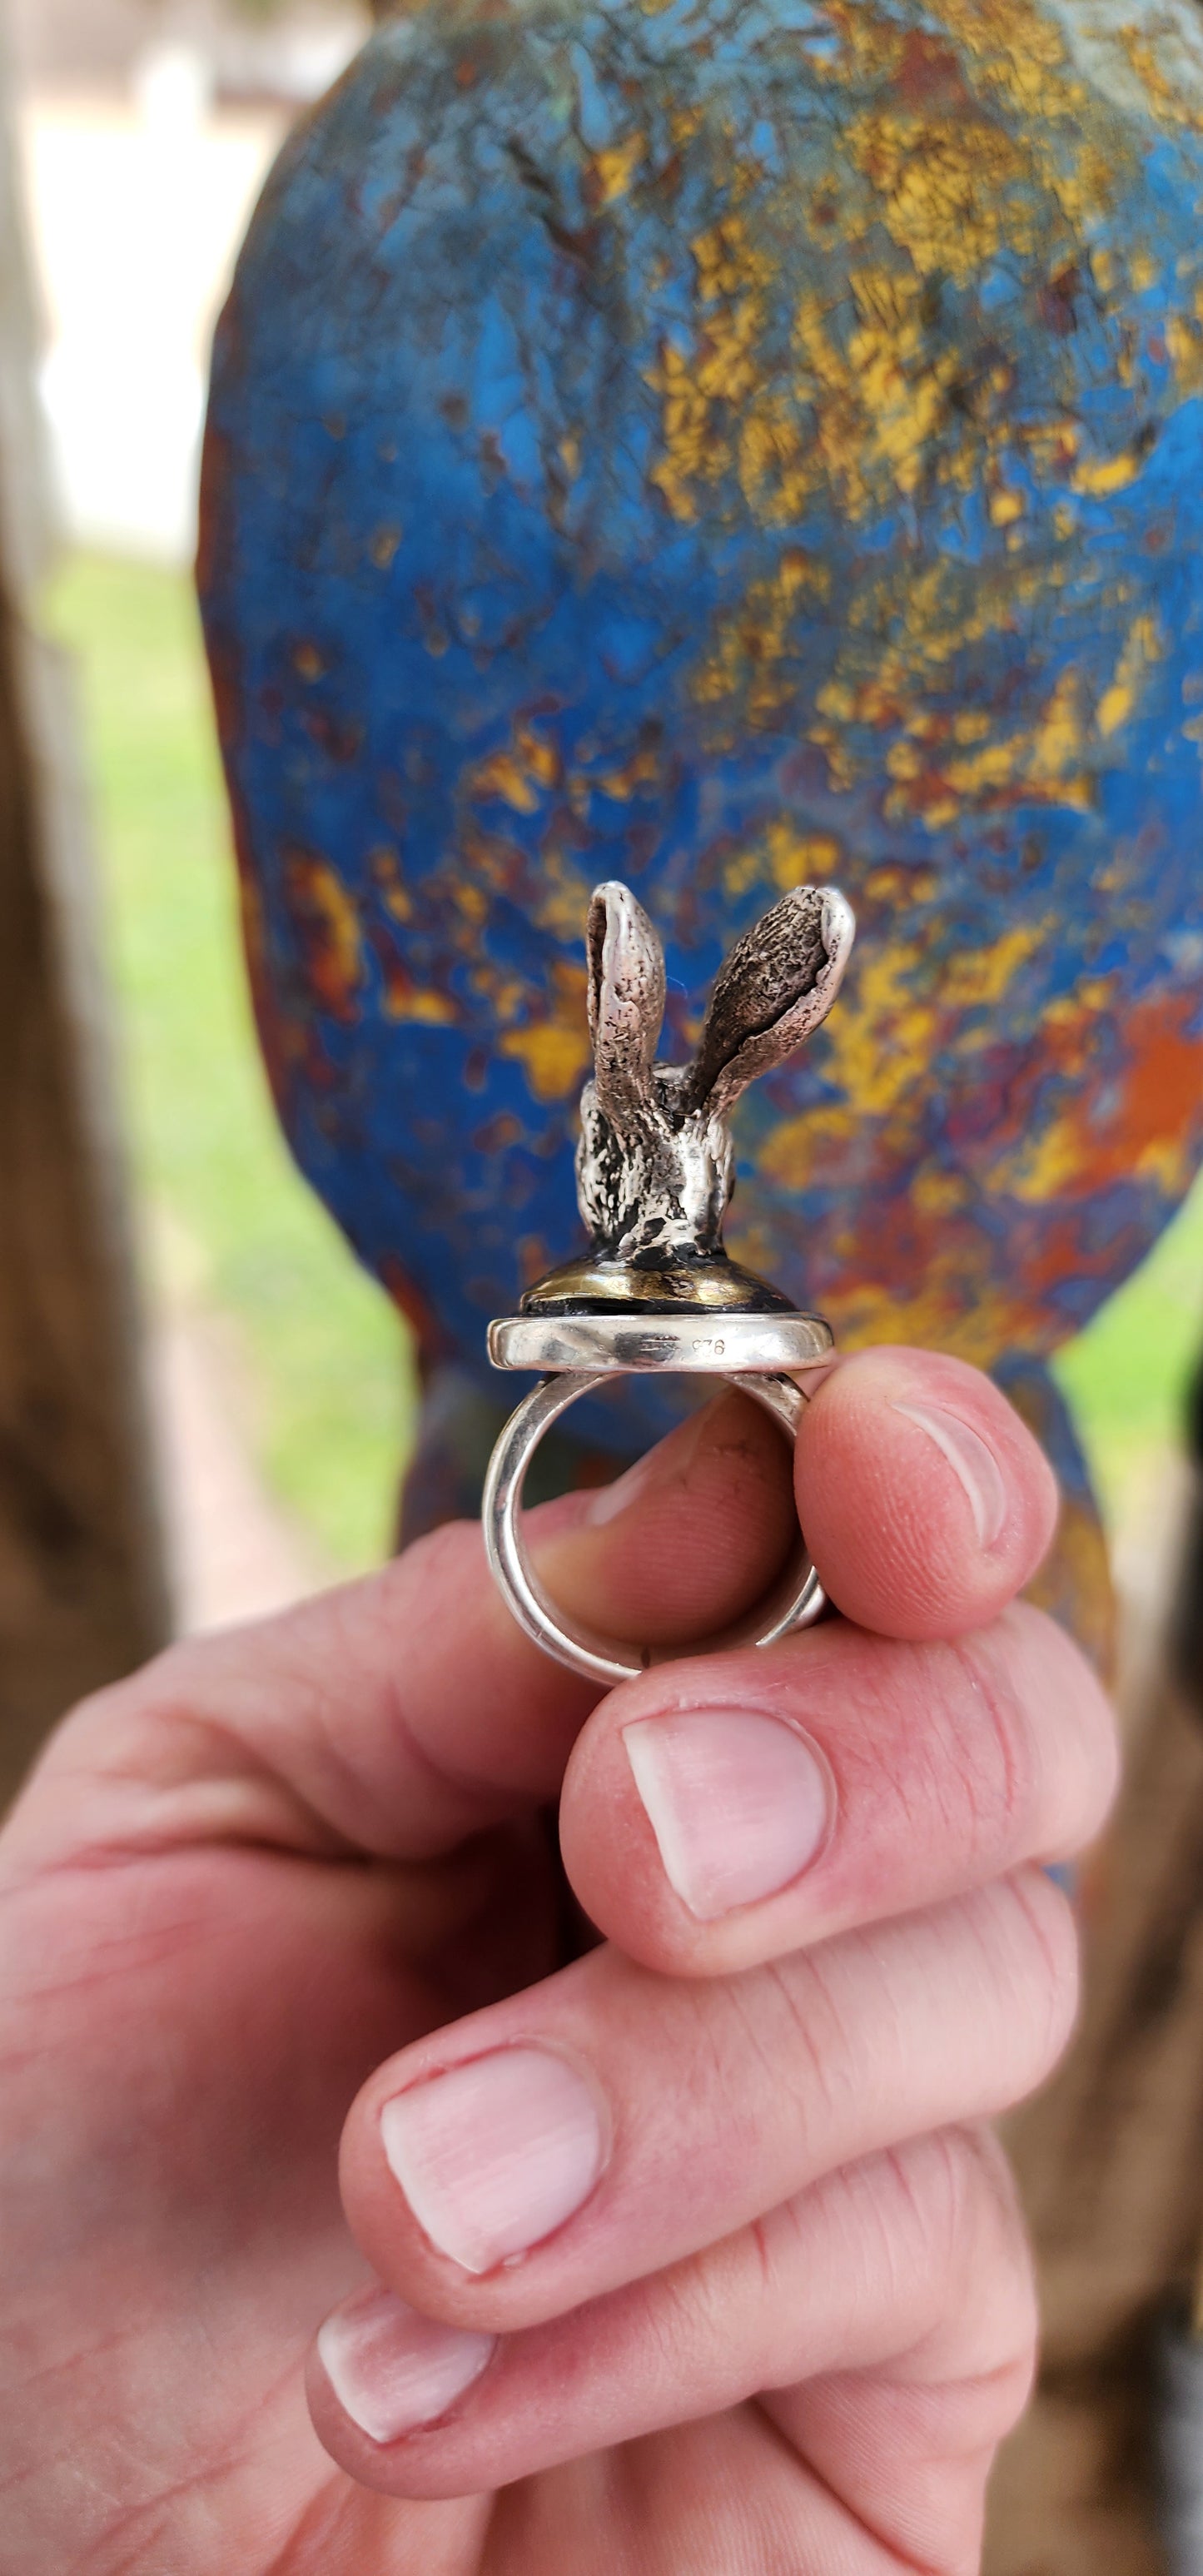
(796, 1602)
(655, 1165)
(617, 1343)
(655, 1170)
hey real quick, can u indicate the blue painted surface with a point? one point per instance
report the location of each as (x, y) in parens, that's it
(723, 446)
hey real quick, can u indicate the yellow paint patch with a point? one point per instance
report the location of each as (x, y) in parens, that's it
(554, 1055)
(754, 643)
(940, 770)
(1044, 1167)
(801, 858)
(898, 885)
(938, 1193)
(639, 775)
(742, 872)
(556, 1051)
(433, 1008)
(1169, 1164)
(503, 776)
(335, 958)
(386, 875)
(878, 408)
(519, 776)
(978, 978)
(953, 188)
(1106, 474)
(883, 1035)
(1184, 341)
(702, 392)
(1144, 646)
(615, 168)
(798, 1149)
(1163, 92)
(1019, 51)
(1057, 744)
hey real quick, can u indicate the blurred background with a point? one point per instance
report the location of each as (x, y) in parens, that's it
(281, 1388)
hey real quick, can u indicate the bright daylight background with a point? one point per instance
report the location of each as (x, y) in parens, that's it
(281, 1375)
(283, 1389)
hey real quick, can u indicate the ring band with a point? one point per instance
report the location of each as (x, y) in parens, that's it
(795, 1603)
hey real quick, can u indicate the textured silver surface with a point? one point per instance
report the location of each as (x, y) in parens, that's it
(720, 1345)
(655, 1164)
(654, 1172)
(795, 1604)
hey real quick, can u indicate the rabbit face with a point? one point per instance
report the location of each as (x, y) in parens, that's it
(655, 1166)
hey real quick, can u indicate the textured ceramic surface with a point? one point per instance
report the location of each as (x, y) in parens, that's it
(719, 446)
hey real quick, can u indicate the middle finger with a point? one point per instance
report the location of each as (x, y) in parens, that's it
(724, 1811)
(611, 2121)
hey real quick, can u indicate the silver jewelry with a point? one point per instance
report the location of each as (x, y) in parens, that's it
(655, 1171)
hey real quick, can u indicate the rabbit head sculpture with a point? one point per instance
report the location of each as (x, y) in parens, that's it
(655, 1167)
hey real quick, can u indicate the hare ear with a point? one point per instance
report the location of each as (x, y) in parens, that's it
(626, 998)
(778, 983)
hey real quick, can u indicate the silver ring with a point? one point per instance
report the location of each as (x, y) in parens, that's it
(716, 1344)
(657, 1291)
(795, 1603)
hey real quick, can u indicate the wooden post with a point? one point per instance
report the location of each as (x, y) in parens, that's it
(82, 1592)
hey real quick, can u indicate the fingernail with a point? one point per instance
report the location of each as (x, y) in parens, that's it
(495, 2155)
(392, 2370)
(739, 1804)
(974, 1465)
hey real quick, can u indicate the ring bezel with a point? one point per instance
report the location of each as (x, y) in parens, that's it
(618, 1342)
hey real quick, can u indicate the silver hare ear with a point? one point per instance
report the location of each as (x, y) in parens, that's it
(778, 983)
(626, 998)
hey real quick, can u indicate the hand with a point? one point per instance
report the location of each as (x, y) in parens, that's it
(685, 2256)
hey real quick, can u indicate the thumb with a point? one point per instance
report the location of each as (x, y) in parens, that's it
(405, 1713)
(686, 1541)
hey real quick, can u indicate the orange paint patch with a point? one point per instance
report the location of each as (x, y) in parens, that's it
(328, 925)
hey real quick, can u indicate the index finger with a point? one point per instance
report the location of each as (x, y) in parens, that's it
(401, 1715)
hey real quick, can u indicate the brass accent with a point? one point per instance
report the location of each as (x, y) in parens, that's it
(593, 1284)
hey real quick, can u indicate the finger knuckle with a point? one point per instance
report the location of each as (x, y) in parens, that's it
(810, 2030)
(994, 1757)
(1038, 1966)
(1056, 1705)
(975, 2244)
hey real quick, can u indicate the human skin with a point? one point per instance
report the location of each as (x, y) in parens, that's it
(719, 2270)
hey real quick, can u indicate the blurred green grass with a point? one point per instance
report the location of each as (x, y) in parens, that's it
(334, 1397)
(327, 1360)
(1127, 1375)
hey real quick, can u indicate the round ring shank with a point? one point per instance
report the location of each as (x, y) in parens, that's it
(795, 1603)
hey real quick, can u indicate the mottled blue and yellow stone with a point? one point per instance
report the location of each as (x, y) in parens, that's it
(722, 445)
